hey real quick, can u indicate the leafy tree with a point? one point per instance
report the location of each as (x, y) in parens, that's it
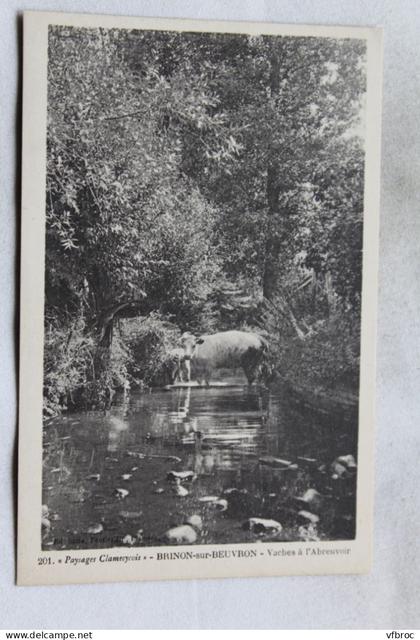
(119, 211)
(191, 176)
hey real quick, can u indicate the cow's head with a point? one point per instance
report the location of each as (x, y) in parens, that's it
(189, 344)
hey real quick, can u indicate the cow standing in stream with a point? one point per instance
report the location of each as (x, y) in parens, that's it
(176, 366)
(224, 350)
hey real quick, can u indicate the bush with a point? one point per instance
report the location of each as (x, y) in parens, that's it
(68, 362)
(149, 341)
(77, 372)
(326, 354)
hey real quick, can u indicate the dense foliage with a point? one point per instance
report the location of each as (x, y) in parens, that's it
(200, 182)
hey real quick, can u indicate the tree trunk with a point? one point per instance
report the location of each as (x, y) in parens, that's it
(101, 390)
(273, 231)
(272, 242)
(105, 323)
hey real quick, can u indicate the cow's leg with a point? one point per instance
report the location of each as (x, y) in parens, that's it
(185, 371)
(250, 362)
(207, 375)
(250, 374)
(187, 364)
(179, 371)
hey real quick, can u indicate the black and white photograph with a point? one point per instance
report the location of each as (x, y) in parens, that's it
(204, 225)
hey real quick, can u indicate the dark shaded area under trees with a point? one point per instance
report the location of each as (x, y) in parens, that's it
(200, 182)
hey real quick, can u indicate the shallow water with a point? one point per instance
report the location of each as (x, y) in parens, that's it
(227, 437)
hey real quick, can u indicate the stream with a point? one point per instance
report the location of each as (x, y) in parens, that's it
(251, 452)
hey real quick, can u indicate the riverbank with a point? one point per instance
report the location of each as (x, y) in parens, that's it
(321, 399)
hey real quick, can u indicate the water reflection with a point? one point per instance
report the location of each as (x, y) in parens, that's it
(117, 427)
(201, 420)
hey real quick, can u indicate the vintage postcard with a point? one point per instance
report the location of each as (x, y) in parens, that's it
(198, 298)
